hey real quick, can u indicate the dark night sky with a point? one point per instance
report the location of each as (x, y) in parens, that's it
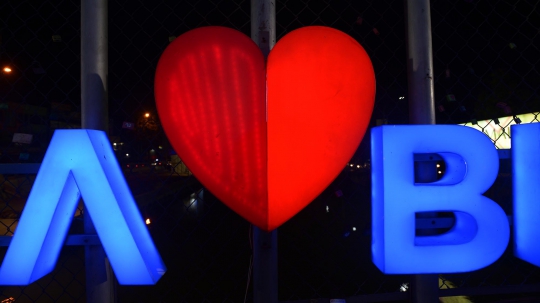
(485, 52)
(470, 39)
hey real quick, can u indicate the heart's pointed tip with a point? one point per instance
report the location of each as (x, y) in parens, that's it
(267, 227)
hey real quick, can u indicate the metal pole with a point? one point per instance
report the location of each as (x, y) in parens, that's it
(420, 62)
(94, 64)
(424, 288)
(100, 282)
(263, 24)
(265, 281)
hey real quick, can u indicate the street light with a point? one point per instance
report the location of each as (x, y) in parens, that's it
(147, 115)
(7, 69)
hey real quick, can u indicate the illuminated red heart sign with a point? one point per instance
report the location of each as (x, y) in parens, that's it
(265, 139)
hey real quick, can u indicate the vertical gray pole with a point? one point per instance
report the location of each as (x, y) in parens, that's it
(420, 62)
(263, 24)
(424, 288)
(265, 281)
(100, 283)
(94, 64)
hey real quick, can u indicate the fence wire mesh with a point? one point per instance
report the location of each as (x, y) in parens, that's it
(486, 76)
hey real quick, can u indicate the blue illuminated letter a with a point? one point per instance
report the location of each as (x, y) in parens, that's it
(481, 230)
(80, 162)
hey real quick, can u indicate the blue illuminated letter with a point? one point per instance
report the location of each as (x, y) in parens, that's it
(80, 162)
(481, 231)
(526, 179)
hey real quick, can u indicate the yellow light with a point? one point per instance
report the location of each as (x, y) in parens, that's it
(147, 115)
(7, 69)
(148, 221)
(438, 165)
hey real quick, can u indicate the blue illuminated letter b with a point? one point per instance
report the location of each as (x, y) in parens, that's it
(526, 177)
(480, 233)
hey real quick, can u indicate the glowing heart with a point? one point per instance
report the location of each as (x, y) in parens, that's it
(265, 140)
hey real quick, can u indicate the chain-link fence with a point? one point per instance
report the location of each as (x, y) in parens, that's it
(486, 75)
